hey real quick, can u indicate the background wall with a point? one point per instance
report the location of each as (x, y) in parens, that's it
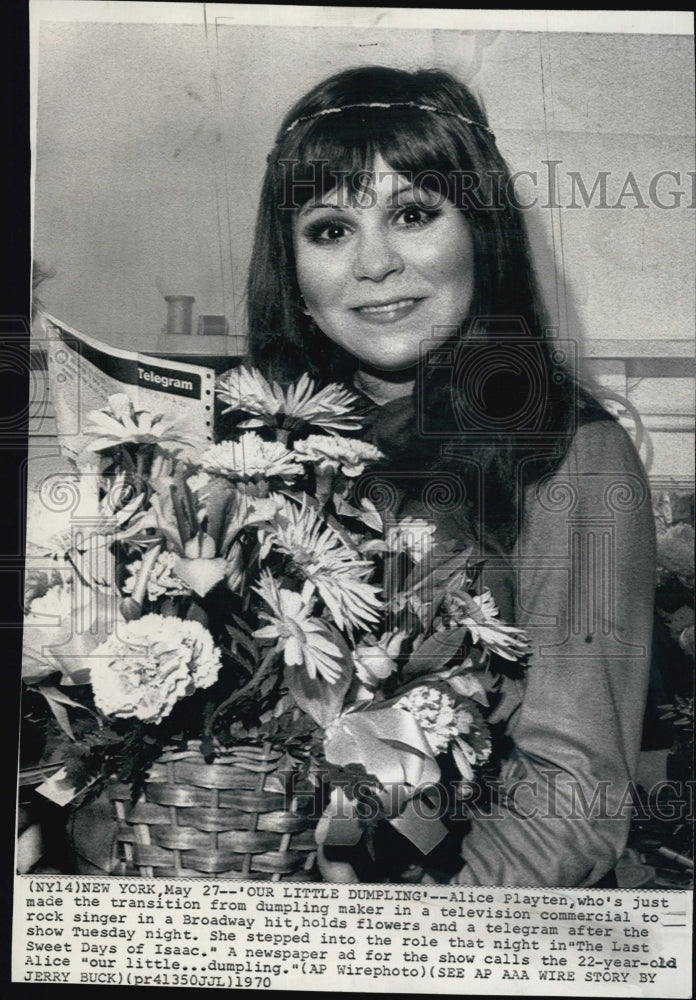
(152, 141)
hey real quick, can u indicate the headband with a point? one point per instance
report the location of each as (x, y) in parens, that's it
(388, 104)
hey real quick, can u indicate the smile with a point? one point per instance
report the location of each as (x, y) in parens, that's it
(387, 311)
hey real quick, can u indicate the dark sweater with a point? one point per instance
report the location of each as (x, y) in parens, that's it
(580, 581)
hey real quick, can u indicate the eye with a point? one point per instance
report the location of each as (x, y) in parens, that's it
(416, 215)
(326, 231)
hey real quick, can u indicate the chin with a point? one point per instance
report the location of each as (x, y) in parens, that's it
(391, 367)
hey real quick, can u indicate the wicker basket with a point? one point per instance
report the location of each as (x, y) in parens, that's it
(227, 819)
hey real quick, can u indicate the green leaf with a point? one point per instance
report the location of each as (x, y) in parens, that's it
(436, 652)
(367, 513)
(242, 644)
(57, 702)
(218, 504)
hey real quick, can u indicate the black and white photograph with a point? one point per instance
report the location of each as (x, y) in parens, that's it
(358, 616)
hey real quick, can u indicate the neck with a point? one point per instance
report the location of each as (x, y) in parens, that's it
(381, 386)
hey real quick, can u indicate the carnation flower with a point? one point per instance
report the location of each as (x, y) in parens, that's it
(329, 453)
(150, 665)
(120, 423)
(443, 725)
(327, 561)
(246, 389)
(303, 639)
(251, 459)
(162, 579)
(435, 713)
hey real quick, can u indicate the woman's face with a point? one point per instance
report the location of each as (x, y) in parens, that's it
(387, 272)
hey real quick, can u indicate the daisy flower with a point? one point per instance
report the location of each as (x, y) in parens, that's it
(120, 423)
(324, 558)
(479, 613)
(302, 638)
(246, 389)
(329, 452)
(251, 459)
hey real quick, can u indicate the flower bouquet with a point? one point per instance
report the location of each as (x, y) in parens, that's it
(240, 644)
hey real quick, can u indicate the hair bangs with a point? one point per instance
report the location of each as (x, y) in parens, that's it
(340, 150)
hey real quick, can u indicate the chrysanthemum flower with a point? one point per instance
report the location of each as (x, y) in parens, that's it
(329, 453)
(162, 579)
(302, 638)
(246, 389)
(145, 669)
(120, 423)
(479, 613)
(324, 558)
(251, 459)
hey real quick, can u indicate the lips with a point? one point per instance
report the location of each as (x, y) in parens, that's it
(385, 312)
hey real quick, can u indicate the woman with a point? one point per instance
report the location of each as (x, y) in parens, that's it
(391, 254)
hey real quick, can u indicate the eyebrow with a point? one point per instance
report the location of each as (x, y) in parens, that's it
(308, 208)
(406, 186)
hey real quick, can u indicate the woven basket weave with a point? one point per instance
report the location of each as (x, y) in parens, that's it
(227, 819)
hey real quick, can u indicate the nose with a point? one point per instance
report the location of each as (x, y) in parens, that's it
(376, 257)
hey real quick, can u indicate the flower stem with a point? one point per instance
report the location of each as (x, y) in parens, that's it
(185, 529)
(149, 559)
(250, 686)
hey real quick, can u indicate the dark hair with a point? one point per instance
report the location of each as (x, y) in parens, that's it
(498, 383)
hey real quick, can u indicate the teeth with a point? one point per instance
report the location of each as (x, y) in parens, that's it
(389, 307)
